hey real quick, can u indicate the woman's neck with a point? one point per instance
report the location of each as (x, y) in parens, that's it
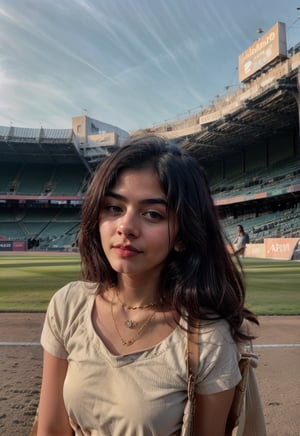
(138, 292)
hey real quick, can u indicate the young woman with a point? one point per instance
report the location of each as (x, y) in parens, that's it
(154, 264)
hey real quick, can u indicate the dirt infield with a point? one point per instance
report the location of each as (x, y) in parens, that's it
(278, 373)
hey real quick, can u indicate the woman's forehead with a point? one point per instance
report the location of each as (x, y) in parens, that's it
(144, 178)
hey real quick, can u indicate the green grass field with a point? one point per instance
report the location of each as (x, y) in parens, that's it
(27, 282)
(272, 286)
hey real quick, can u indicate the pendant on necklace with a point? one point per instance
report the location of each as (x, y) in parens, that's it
(129, 324)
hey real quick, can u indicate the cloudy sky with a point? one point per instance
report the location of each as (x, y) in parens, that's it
(131, 63)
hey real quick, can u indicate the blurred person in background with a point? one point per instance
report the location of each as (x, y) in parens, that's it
(241, 240)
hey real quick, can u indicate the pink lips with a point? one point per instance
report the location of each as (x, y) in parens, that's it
(126, 251)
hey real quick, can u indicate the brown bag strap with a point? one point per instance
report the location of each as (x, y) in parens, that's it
(192, 359)
(193, 353)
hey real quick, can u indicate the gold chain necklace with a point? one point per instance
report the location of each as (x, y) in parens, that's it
(143, 306)
(139, 331)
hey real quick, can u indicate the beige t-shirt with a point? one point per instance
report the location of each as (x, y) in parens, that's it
(137, 394)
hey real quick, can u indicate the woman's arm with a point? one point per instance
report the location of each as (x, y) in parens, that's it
(211, 412)
(53, 418)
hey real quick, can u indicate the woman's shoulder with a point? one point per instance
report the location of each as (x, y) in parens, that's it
(69, 306)
(77, 290)
(72, 298)
(216, 332)
(218, 360)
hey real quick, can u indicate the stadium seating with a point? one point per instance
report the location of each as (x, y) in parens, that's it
(67, 180)
(278, 224)
(8, 174)
(265, 180)
(254, 178)
(41, 179)
(51, 227)
(32, 179)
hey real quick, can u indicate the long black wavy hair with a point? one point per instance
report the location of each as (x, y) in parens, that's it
(200, 282)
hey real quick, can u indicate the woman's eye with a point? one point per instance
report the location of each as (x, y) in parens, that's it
(153, 215)
(112, 209)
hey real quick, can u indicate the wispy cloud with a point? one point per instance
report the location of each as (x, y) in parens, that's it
(130, 63)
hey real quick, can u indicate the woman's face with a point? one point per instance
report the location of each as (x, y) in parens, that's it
(136, 230)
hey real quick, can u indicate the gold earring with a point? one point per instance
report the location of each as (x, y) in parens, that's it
(179, 246)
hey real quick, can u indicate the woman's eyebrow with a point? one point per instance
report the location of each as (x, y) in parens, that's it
(144, 201)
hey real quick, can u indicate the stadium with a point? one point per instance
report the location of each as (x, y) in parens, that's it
(248, 142)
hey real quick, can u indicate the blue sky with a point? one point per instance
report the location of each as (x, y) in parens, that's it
(131, 63)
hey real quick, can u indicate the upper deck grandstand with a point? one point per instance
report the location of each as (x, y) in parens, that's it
(248, 141)
(43, 177)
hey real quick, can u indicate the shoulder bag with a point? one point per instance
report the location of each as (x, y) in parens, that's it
(246, 416)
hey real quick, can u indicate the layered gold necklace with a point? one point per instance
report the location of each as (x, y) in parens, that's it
(129, 323)
(127, 306)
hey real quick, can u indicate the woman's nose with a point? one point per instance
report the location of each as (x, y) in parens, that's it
(128, 227)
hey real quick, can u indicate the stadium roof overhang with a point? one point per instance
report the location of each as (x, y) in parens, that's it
(39, 146)
(272, 112)
(13, 151)
(266, 106)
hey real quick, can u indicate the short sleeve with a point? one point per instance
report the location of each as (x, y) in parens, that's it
(52, 338)
(219, 360)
